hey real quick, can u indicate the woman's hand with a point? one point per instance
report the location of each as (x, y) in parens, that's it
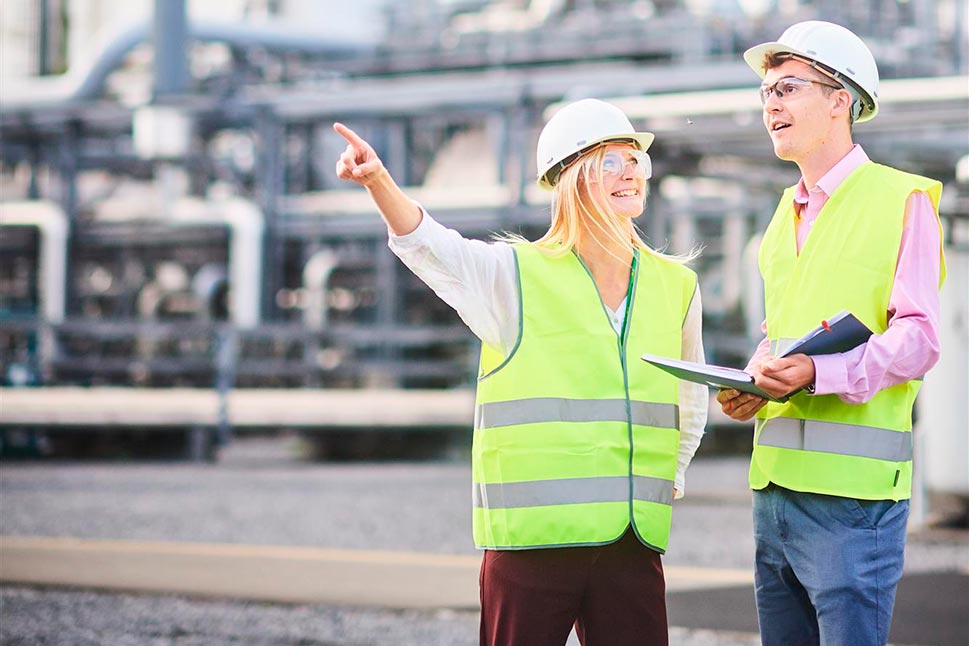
(358, 163)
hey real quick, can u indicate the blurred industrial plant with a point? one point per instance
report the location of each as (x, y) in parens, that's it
(177, 253)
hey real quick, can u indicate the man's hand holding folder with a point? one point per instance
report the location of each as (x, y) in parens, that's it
(776, 379)
(781, 377)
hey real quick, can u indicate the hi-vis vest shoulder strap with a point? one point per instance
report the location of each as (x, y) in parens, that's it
(819, 443)
(575, 437)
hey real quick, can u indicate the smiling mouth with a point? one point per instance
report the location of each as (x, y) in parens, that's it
(629, 192)
(779, 126)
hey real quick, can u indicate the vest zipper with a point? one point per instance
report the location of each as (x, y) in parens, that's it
(621, 339)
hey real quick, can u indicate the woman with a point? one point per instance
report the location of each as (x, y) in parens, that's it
(579, 447)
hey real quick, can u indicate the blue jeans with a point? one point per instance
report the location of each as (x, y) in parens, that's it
(826, 567)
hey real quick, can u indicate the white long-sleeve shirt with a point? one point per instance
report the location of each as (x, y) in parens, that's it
(479, 281)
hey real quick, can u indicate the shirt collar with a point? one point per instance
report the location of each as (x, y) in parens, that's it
(833, 178)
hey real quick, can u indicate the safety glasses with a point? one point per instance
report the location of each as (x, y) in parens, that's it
(790, 87)
(614, 164)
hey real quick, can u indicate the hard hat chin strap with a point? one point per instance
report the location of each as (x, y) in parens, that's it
(857, 106)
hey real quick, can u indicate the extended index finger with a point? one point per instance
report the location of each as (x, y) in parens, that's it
(353, 138)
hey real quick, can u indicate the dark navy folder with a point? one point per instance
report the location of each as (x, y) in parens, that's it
(840, 333)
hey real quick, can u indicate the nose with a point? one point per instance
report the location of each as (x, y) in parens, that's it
(772, 104)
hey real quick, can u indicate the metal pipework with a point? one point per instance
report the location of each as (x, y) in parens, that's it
(169, 38)
(85, 80)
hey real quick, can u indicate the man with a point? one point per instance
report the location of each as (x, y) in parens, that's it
(831, 468)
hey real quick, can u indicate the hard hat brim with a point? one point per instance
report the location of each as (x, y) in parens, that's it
(754, 56)
(643, 141)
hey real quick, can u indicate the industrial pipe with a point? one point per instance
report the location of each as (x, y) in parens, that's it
(51, 221)
(246, 225)
(85, 79)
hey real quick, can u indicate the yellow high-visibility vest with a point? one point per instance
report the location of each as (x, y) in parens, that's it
(575, 437)
(818, 443)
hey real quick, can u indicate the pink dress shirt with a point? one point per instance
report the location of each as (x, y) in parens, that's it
(910, 345)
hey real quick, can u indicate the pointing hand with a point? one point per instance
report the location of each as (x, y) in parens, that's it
(358, 163)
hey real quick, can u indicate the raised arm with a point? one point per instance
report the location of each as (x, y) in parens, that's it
(360, 164)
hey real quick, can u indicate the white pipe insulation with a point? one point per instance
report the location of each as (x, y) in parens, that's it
(246, 225)
(51, 221)
(316, 274)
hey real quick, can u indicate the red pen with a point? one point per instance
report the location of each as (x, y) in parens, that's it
(825, 325)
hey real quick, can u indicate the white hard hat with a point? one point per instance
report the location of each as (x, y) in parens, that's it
(837, 51)
(579, 126)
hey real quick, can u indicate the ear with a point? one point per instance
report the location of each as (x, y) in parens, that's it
(842, 103)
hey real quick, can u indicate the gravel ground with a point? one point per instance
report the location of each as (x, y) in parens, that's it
(262, 493)
(46, 617)
(400, 506)
(341, 506)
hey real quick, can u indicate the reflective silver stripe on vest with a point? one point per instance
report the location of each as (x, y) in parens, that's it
(558, 409)
(570, 491)
(831, 437)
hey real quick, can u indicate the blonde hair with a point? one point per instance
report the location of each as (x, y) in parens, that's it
(571, 215)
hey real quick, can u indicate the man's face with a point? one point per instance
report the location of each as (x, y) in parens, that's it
(799, 123)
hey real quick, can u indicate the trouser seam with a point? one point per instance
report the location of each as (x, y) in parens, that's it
(878, 587)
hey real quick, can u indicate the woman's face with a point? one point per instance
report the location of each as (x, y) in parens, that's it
(624, 171)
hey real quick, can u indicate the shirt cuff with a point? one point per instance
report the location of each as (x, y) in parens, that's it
(830, 374)
(680, 487)
(414, 238)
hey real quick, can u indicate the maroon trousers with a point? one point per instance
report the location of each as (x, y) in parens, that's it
(614, 594)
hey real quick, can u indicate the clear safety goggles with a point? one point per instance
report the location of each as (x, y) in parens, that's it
(614, 164)
(790, 87)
